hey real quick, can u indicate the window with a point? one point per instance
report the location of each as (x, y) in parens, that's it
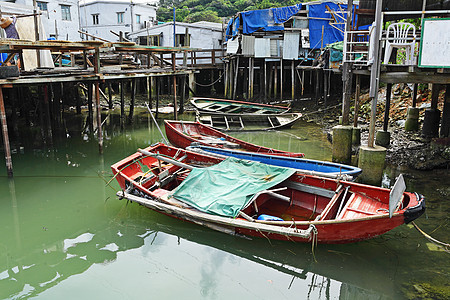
(120, 17)
(42, 5)
(138, 19)
(155, 40)
(182, 41)
(95, 19)
(65, 12)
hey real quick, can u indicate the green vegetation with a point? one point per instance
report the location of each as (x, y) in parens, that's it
(190, 11)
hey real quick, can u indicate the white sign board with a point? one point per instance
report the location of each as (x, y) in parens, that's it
(435, 43)
(262, 48)
(291, 45)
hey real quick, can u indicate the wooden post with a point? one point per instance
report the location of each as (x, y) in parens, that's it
(36, 32)
(292, 80)
(9, 168)
(110, 100)
(47, 115)
(149, 92)
(265, 81)
(275, 81)
(182, 89)
(157, 95)
(435, 89)
(357, 95)
(122, 103)
(133, 99)
(388, 106)
(175, 105)
(90, 109)
(269, 88)
(347, 72)
(281, 79)
(235, 77)
(225, 92)
(85, 65)
(325, 87)
(445, 122)
(317, 86)
(414, 95)
(97, 100)
(78, 99)
(374, 73)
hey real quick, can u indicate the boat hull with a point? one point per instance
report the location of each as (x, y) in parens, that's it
(320, 209)
(182, 134)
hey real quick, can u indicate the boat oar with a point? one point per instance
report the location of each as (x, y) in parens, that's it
(166, 159)
(154, 120)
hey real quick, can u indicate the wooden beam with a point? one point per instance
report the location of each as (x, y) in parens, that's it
(9, 168)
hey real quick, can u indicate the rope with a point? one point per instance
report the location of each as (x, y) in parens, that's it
(210, 84)
(445, 246)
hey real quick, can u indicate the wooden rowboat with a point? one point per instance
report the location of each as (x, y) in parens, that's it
(183, 133)
(248, 122)
(282, 204)
(308, 166)
(224, 106)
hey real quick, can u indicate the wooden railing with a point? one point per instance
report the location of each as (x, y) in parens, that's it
(199, 58)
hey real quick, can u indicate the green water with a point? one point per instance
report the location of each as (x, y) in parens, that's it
(65, 235)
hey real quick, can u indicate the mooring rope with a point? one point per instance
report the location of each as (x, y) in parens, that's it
(445, 246)
(209, 84)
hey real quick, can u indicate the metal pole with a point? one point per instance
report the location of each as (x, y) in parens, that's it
(8, 159)
(374, 73)
(174, 33)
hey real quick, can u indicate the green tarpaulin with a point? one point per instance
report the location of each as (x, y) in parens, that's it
(224, 189)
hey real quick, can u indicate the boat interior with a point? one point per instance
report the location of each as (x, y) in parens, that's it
(288, 201)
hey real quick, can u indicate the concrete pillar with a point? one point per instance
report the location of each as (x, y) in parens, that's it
(356, 136)
(342, 144)
(412, 119)
(371, 161)
(383, 138)
(431, 122)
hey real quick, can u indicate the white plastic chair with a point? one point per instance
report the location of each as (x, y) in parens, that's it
(397, 37)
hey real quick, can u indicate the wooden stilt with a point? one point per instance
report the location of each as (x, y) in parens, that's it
(149, 92)
(9, 167)
(435, 89)
(90, 109)
(158, 81)
(47, 116)
(110, 100)
(265, 80)
(269, 84)
(175, 105)
(388, 106)
(281, 79)
(275, 82)
(235, 77)
(293, 80)
(445, 122)
(182, 89)
(122, 103)
(357, 95)
(317, 86)
(325, 87)
(414, 96)
(78, 99)
(347, 90)
(133, 99)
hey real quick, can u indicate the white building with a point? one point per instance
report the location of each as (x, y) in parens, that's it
(99, 17)
(59, 17)
(204, 35)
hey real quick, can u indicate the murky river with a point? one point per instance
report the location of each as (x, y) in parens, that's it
(65, 235)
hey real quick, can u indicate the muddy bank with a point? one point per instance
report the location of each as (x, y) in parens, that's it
(407, 149)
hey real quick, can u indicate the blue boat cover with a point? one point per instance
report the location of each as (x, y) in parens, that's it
(330, 34)
(224, 189)
(263, 19)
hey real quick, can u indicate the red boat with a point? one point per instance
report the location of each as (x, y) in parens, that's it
(282, 204)
(183, 133)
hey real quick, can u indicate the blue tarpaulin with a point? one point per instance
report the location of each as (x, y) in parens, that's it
(282, 14)
(330, 34)
(264, 19)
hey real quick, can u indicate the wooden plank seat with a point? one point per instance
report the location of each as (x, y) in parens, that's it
(356, 208)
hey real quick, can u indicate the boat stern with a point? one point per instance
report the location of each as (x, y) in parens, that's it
(413, 212)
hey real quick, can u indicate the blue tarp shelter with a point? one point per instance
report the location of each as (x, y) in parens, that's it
(271, 19)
